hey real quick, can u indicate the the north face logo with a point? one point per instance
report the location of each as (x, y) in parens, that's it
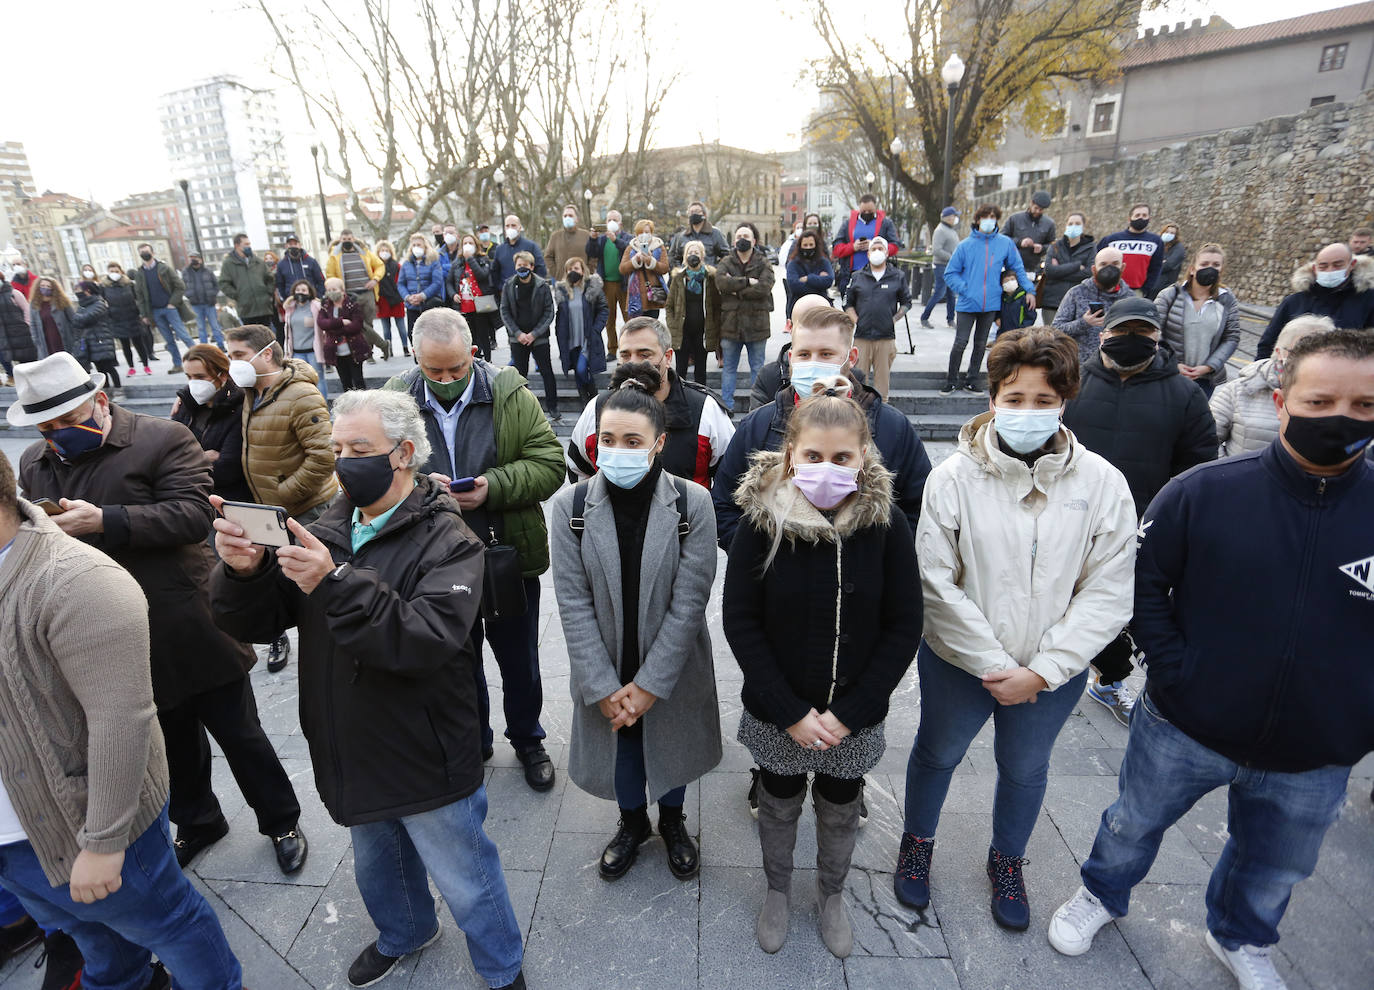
(1361, 572)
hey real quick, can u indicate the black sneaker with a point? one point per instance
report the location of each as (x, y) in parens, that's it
(61, 962)
(863, 805)
(17, 937)
(949, 389)
(972, 388)
(277, 654)
(754, 793)
(1010, 908)
(372, 966)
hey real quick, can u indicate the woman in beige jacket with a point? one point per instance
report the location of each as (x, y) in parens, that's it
(1027, 554)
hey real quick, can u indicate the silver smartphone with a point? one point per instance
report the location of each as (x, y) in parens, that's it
(265, 525)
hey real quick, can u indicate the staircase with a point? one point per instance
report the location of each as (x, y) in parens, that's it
(914, 393)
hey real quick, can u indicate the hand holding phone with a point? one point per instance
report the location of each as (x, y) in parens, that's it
(264, 525)
(462, 485)
(49, 506)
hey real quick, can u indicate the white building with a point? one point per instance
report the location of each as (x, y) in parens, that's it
(223, 137)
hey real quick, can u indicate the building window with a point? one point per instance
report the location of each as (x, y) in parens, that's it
(1103, 117)
(1333, 57)
(1034, 178)
(1319, 100)
(826, 199)
(985, 184)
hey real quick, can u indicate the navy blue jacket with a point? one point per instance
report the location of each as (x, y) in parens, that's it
(763, 429)
(503, 260)
(1254, 604)
(291, 270)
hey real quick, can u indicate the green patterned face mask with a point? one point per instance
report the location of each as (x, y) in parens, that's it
(447, 391)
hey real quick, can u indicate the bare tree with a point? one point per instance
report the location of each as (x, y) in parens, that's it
(1016, 52)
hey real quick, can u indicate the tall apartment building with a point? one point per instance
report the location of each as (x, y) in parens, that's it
(16, 183)
(222, 136)
(163, 211)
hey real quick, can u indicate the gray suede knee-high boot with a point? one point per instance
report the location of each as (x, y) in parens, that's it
(837, 829)
(777, 838)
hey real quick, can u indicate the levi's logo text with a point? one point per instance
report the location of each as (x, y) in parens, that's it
(1362, 573)
(1135, 247)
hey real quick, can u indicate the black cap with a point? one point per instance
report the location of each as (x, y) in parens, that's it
(1129, 309)
(1041, 199)
(291, 237)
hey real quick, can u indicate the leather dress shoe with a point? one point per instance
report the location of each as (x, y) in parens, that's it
(620, 854)
(291, 849)
(191, 842)
(682, 851)
(538, 768)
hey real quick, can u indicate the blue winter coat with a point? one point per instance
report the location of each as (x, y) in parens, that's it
(974, 272)
(425, 276)
(819, 278)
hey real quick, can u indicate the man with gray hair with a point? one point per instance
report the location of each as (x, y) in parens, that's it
(384, 588)
(490, 442)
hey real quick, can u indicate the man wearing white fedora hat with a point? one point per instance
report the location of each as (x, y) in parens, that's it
(137, 487)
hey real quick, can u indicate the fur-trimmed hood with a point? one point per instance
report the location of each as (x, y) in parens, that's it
(1362, 281)
(763, 491)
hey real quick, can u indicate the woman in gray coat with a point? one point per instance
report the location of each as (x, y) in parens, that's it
(645, 712)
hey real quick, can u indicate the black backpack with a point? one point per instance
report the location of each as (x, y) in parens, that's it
(578, 522)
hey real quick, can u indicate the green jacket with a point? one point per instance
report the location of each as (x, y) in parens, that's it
(171, 281)
(248, 284)
(529, 460)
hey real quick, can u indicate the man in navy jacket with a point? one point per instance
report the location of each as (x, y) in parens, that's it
(503, 254)
(1254, 596)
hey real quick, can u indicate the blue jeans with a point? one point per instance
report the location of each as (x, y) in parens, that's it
(168, 321)
(515, 644)
(1277, 822)
(729, 365)
(156, 910)
(208, 320)
(631, 778)
(390, 860)
(10, 908)
(309, 358)
(938, 292)
(954, 707)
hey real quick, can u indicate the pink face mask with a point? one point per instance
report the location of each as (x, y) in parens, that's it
(825, 485)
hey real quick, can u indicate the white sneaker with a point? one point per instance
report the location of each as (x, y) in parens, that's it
(1250, 965)
(1076, 922)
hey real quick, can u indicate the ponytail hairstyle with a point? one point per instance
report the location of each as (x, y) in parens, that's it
(633, 388)
(826, 410)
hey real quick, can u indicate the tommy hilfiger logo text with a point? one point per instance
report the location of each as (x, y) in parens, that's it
(1361, 572)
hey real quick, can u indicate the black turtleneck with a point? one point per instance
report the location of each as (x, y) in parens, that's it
(631, 507)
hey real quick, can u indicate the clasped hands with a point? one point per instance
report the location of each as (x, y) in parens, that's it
(818, 731)
(627, 706)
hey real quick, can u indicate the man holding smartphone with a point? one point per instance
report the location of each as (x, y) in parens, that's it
(1081, 312)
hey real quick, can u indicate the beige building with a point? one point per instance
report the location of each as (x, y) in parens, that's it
(121, 244)
(36, 221)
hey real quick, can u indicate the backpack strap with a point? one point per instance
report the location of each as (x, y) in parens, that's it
(577, 522)
(684, 527)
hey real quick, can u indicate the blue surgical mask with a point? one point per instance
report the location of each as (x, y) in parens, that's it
(1166, 237)
(1073, 230)
(569, 223)
(805, 374)
(623, 467)
(73, 441)
(988, 225)
(1331, 280)
(1026, 430)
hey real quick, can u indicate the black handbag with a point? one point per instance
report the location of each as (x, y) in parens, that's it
(1113, 664)
(503, 586)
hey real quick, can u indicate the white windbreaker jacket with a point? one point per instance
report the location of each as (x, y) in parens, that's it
(1035, 569)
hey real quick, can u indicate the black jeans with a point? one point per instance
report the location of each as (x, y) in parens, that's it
(231, 715)
(979, 325)
(515, 644)
(543, 360)
(693, 349)
(350, 372)
(144, 351)
(111, 369)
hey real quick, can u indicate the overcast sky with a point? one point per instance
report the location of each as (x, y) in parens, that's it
(85, 104)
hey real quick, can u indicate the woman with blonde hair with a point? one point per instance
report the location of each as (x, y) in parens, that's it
(422, 279)
(1201, 320)
(644, 264)
(50, 320)
(474, 294)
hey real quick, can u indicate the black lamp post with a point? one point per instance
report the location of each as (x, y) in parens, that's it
(319, 184)
(195, 230)
(951, 74)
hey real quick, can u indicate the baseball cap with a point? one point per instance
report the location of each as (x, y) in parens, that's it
(1130, 309)
(949, 211)
(1041, 199)
(292, 237)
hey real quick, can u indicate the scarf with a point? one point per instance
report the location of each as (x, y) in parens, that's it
(696, 279)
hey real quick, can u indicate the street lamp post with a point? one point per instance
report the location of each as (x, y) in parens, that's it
(896, 147)
(868, 178)
(499, 177)
(951, 74)
(587, 195)
(195, 230)
(319, 184)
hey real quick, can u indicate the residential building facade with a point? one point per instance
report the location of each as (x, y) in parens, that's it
(164, 212)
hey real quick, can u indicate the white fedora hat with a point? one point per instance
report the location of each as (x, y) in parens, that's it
(51, 388)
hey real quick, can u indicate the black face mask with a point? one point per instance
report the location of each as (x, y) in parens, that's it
(867, 216)
(697, 219)
(807, 252)
(1140, 224)
(365, 479)
(1328, 440)
(146, 255)
(302, 297)
(294, 252)
(1206, 277)
(1130, 350)
(743, 244)
(194, 264)
(1107, 276)
(693, 260)
(574, 278)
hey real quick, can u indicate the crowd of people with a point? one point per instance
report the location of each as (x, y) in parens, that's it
(1076, 532)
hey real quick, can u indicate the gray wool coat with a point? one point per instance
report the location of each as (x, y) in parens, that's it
(682, 731)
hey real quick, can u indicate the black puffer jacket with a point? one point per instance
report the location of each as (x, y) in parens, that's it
(125, 323)
(1065, 266)
(16, 342)
(219, 427)
(92, 319)
(387, 699)
(1150, 427)
(782, 623)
